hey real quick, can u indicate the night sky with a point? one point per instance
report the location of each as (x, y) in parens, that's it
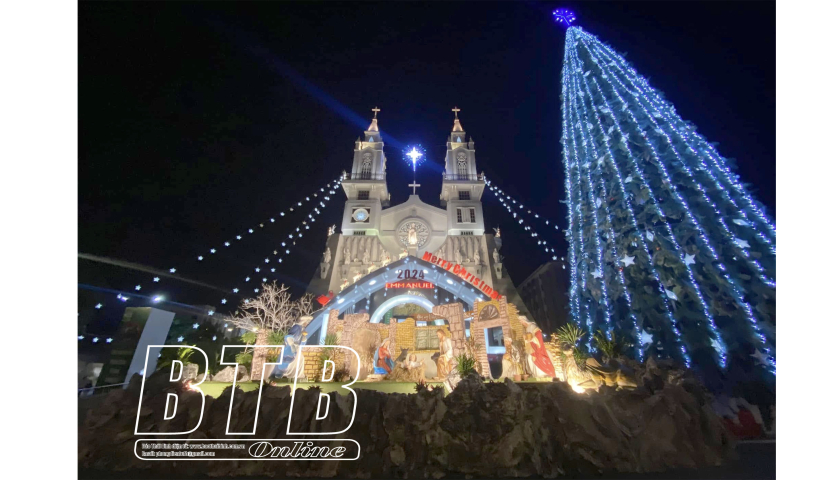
(199, 121)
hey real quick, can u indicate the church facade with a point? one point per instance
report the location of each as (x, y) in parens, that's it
(437, 260)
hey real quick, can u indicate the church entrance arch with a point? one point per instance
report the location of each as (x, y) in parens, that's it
(400, 300)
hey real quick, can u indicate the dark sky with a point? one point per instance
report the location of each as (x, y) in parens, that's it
(198, 121)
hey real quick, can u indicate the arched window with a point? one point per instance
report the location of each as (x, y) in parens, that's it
(367, 162)
(462, 166)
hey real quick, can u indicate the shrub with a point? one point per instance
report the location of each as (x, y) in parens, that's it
(609, 347)
(464, 364)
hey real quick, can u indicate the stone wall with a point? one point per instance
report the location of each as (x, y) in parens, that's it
(481, 430)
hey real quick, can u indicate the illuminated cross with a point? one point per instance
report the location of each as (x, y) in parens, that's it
(414, 186)
(456, 110)
(375, 110)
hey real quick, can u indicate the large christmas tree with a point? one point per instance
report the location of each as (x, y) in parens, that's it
(667, 247)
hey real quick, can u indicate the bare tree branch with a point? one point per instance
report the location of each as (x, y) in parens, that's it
(273, 309)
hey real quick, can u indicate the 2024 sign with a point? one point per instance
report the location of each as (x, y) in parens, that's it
(410, 274)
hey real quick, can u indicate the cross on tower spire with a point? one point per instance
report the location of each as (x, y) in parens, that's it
(375, 110)
(456, 110)
(414, 186)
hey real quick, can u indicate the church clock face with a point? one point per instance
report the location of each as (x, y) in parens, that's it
(361, 215)
(413, 233)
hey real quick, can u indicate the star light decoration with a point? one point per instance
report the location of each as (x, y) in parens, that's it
(645, 338)
(563, 16)
(628, 260)
(414, 155)
(156, 279)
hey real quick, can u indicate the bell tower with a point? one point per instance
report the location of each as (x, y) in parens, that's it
(365, 186)
(462, 184)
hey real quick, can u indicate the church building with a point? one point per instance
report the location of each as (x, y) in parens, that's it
(402, 273)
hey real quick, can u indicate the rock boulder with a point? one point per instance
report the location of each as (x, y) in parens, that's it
(480, 429)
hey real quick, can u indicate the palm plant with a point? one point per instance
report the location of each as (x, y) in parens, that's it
(183, 355)
(245, 359)
(610, 345)
(471, 349)
(570, 334)
(275, 338)
(566, 338)
(464, 364)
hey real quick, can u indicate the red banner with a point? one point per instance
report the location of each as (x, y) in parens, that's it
(428, 285)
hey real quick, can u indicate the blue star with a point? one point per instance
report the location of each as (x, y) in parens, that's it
(180, 339)
(195, 327)
(98, 306)
(171, 270)
(156, 279)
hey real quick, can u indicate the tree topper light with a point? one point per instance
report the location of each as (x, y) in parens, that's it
(563, 16)
(414, 155)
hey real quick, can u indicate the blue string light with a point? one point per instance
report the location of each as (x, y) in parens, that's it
(648, 119)
(563, 16)
(640, 175)
(736, 289)
(603, 198)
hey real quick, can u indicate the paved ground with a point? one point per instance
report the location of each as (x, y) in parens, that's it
(757, 461)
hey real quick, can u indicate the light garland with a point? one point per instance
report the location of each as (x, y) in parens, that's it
(731, 238)
(296, 234)
(736, 288)
(596, 208)
(706, 150)
(639, 103)
(572, 41)
(325, 194)
(521, 221)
